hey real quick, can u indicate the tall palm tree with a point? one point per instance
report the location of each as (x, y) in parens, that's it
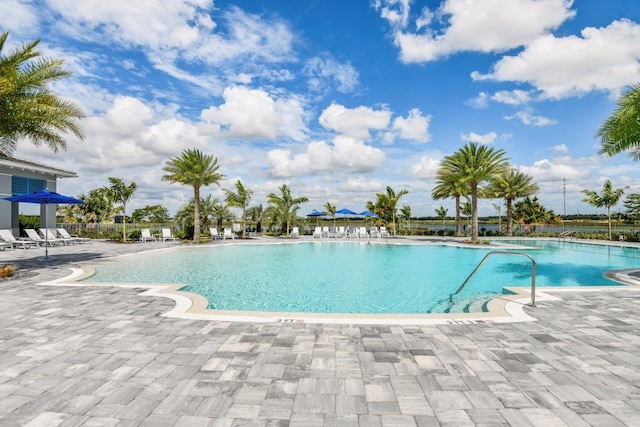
(239, 199)
(28, 108)
(449, 186)
(196, 169)
(621, 130)
(119, 192)
(475, 164)
(286, 205)
(608, 198)
(511, 185)
(386, 205)
(256, 214)
(331, 211)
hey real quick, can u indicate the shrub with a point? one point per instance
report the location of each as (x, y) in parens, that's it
(135, 235)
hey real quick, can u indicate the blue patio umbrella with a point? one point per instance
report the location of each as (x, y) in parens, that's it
(346, 212)
(45, 197)
(316, 214)
(368, 213)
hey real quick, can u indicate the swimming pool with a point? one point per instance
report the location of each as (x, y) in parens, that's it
(355, 277)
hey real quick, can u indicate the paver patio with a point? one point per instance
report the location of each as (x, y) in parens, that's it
(103, 356)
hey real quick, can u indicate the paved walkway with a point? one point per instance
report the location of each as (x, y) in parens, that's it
(102, 356)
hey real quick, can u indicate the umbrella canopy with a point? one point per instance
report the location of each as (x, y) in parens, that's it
(346, 211)
(316, 213)
(368, 213)
(45, 197)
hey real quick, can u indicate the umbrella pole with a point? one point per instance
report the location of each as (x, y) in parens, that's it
(46, 235)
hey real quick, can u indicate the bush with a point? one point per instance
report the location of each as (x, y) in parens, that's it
(28, 221)
(135, 235)
(7, 271)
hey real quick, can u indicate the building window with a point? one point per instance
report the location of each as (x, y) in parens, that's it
(21, 185)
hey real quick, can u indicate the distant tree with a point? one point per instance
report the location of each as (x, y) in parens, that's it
(96, 207)
(474, 165)
(608, 198)
(405, 213)
(449, 186)
(28, 108)
(285, 205)
(151, 214)
(331, 211)
(621, 130)
(240, 198)
(442, 213)
(530, 211)
(386, 205)
(255, 214)
(196, 169)
(119, 192)
(632, 204)
(511, 185)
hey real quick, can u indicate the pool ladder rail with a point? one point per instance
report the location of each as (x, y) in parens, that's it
(475, 270)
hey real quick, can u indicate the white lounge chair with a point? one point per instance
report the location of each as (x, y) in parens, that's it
(317, 232)
(341, 232)
(295, 233)
(383, 231)
(52, 234)
(333, 232)
(325, 231)
(373, 232)
(362, 233)
(8, 237)
(166, 235)
(77, 239)
(228, 234)
(352, 232)
(214, 233)
(145, 236)
(5, 245)
(35, 237)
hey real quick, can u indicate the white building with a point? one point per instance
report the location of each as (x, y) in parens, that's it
(20, 176)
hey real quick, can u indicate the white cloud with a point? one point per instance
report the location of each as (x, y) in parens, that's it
(512, 97)
(481, 101)
(361, 184)
(561, 148)
(254, 114)
(602, 59)
(488, 138)
(554, 171)
(529, 119)
(355, 123)
(346, 155)
(20, 16)
(473, 25)
(426, 168)
(415, 127)
(323, 70)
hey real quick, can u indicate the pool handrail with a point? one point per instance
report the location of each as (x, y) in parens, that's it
(533, 272)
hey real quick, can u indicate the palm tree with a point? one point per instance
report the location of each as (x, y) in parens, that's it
(621, 131)
(510, 186)
(442, 213)
(386, 205)
(119, 192)
(475, 164)
(196, 169)
(331, 211)
(28, 108)
(256, 214)
(239, 199)
(405, 212)
(286, 205)
(608, 198)
(450, 186)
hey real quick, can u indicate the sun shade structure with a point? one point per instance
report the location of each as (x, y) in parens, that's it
(45, 197)
(368, 213)
(346, 211)
(316, 214)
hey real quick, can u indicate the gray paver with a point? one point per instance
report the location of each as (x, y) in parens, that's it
(104, 356)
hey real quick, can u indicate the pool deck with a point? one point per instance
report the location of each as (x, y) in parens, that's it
(106, 356)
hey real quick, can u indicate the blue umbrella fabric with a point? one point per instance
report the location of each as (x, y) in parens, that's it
(316, 214)
(346, 211)
(45, 197)
(368, 213)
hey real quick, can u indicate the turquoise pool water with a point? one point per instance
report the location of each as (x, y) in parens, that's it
(354, 277)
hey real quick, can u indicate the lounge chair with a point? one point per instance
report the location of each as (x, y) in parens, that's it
(341, 232)
(5, 245)
(166, 235)
(362, 233)
(317, 233)
(8, 237)
(228, 234)
(333, 232)
(352, 232)
(383, 231)
(65, 234)
(325, 231)
(145, 235)
(214, 233)
(295, 233)
(52, 234)
(35, 237)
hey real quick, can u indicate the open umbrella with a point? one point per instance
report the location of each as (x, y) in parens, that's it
(368, 213)
(45, 197)
(316, 214)
(346, 212)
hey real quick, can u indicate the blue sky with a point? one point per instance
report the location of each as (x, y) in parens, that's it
(337, 99)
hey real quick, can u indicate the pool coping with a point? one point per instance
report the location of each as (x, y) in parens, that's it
(507, 308)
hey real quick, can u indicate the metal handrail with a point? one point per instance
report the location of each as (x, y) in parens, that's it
(533, 273)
